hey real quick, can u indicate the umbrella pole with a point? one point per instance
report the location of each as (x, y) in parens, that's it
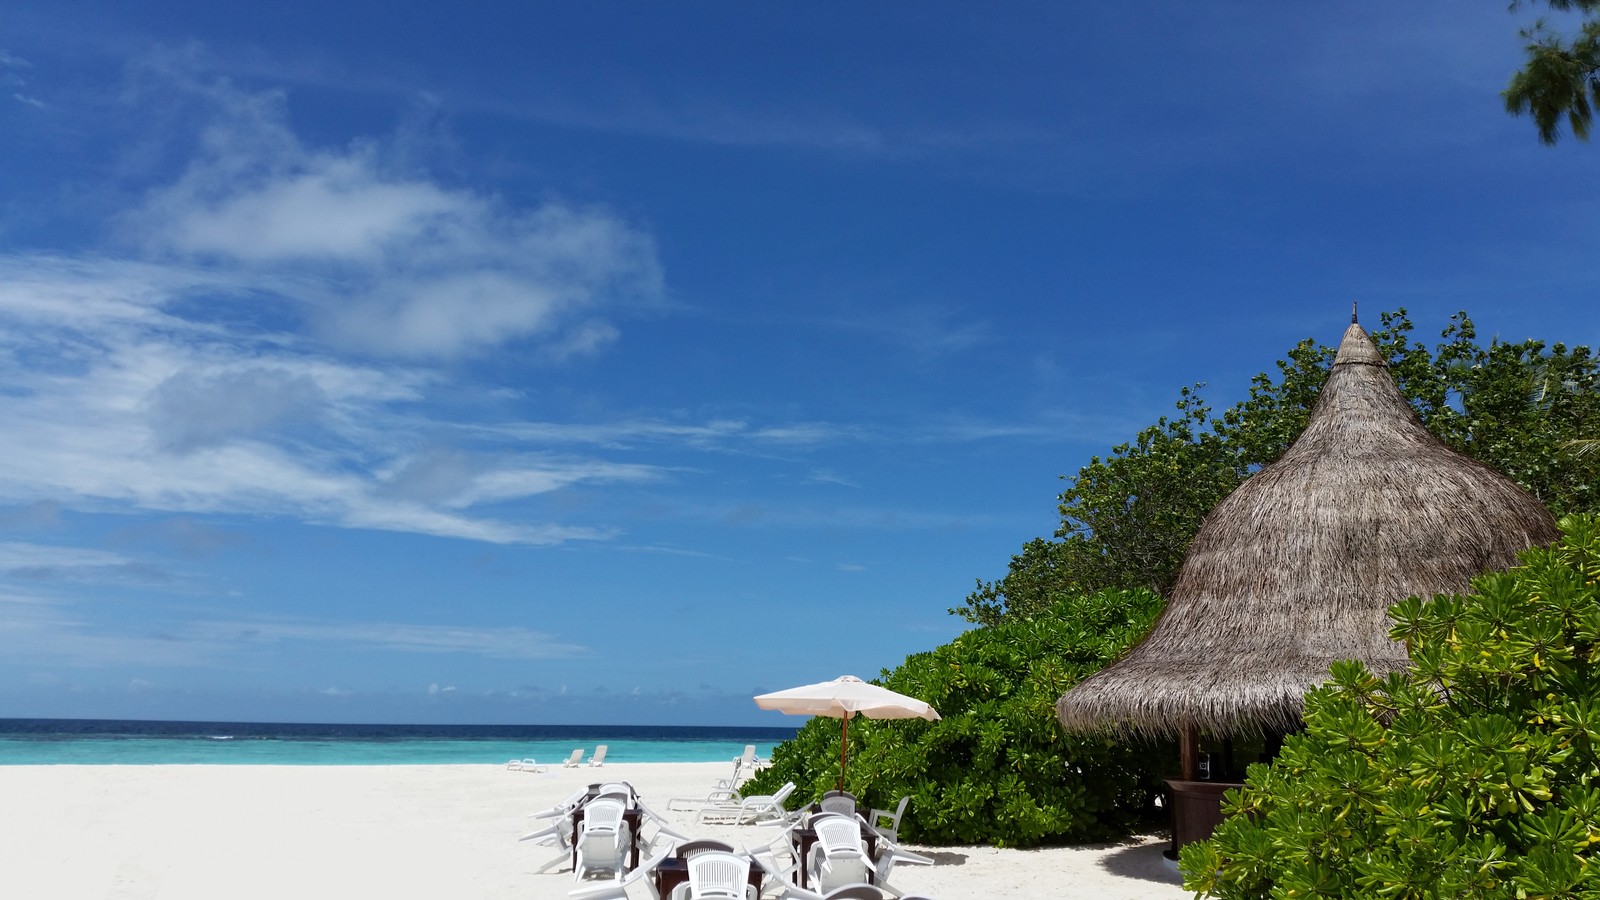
(844, 741)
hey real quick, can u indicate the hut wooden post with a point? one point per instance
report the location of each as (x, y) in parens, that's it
(1189, 752)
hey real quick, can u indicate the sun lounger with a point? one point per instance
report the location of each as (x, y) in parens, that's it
(599, 757)
(757, 808)
(574, 759)
(526, 765)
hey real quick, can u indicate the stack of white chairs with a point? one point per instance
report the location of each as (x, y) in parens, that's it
(838, 857)
(603, 840)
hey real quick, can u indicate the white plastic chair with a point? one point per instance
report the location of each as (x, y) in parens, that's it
(889, 854)
(599, 757)
(526, 765)
(603, 840)
(718, 875)
(857, 891)
(664, 832)
(892, 830)
(780, 876)
(838, 802)
(557, 834)
(574, 759)
(838, 857)
(618, 890)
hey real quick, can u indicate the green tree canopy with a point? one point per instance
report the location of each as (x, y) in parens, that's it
(1561, 79)
(996, 767)
(1476, 773)
(1127, 518)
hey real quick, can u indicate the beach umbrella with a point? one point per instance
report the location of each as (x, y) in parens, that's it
(842, 698)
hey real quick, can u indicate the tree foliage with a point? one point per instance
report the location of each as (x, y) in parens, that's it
(1524, 408)
(1561, 79)
(1476, 773)
(996, 767)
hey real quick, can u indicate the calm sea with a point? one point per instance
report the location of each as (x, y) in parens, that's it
(107, 742)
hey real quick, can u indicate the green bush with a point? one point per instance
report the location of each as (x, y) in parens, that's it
(996, 768)
(1472, 774)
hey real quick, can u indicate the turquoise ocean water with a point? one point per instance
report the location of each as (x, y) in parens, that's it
(104, 742)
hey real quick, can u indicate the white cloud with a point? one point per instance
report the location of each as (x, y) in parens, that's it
(498, 643)
(394, 264)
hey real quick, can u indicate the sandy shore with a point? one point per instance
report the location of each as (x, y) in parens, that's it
(193, 832)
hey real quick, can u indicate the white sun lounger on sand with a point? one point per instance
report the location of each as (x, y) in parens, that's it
(526, 765)
(757, 808)
(599, 757)
(574, 759)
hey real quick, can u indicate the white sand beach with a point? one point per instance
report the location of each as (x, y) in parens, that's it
(311, 832)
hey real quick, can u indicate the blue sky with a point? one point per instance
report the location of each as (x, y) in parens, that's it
(604, 362)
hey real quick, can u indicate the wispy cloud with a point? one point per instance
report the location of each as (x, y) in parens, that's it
(234, 361)
(496, 643)
(37, 627)
(389, 262)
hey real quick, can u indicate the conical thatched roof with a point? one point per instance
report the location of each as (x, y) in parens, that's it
(1296, 568)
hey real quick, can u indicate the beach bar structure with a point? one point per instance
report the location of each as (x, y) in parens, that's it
(1296, 569)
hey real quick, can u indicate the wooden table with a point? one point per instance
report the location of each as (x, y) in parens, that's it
(674, 871)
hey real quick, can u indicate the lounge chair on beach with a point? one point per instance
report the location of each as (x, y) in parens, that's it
(526, 765)
(574, 759)
(599, 757)
(724, 793)
(749, 810)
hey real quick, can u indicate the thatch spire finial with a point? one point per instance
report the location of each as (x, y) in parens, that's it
(1353, 313)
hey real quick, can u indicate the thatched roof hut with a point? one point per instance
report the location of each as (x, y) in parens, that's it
(1296, 568)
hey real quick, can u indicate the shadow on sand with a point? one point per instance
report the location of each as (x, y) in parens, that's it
(1143, 861)
(945, 857)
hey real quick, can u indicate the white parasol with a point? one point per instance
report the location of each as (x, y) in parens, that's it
(842, 698)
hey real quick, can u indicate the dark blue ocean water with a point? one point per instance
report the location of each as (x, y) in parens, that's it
(109, 742)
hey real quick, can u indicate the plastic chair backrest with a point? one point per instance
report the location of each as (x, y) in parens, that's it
(838, 834)
(602, 814)
(718, 874)
(838, 802)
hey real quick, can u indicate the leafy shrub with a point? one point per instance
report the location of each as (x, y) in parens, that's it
(1472, 774)
(996, 768)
